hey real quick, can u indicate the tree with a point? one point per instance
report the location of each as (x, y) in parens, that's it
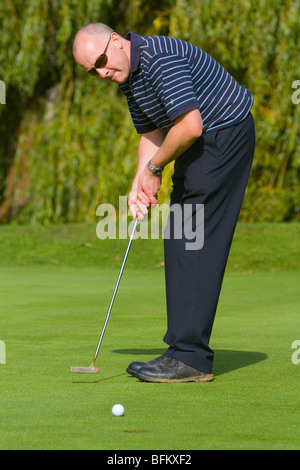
(67, 142)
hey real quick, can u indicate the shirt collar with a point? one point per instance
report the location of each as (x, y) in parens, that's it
(135, 41)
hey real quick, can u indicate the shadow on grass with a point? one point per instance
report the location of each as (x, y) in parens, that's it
(87, 379)
(225, 360)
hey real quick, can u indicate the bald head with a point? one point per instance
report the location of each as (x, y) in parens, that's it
(96, 30)
(90, 43)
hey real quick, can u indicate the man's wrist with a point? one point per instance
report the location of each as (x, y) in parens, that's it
(155, 170)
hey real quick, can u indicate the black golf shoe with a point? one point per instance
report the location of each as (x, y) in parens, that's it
(168, 369)
(134, 367)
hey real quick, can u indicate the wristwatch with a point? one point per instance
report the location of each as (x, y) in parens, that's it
(155, 170)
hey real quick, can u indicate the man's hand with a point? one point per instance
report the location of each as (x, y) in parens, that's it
(149, 144)
(161, 149)
(143, 193)
(147, 188)
(133, 204)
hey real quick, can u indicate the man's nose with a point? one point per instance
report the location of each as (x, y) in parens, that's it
(103, 72)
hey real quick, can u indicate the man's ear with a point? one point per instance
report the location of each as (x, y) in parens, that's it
(117, 40)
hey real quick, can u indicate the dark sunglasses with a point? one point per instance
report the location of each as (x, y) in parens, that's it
(100, 62)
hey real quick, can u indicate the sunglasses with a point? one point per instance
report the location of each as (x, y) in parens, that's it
(100, 62)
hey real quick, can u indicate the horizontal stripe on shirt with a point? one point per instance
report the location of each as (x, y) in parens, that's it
(170, 77)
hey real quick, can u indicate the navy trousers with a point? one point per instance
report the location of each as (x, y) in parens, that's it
(213, 172)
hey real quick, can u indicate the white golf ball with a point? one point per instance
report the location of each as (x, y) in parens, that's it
(118, 410)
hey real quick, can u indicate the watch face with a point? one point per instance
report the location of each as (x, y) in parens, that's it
(155, 170)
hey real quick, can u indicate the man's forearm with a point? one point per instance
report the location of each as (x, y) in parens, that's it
(148, 146)
(161, 149)
(186, 130)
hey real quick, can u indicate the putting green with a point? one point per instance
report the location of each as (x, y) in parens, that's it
(51, 316)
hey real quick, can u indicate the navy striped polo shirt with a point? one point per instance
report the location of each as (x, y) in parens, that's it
(170, 76)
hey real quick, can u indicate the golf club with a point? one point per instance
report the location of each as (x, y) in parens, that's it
(92, 369)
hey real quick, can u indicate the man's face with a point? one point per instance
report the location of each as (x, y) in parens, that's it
(117, 67)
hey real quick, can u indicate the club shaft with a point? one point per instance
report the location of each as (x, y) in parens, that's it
(116, 288)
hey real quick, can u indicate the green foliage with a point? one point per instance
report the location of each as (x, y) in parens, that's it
(66, 140)
(259, 43)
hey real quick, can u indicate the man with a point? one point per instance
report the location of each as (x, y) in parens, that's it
(187, 108)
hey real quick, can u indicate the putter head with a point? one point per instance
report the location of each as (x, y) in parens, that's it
(84, 370)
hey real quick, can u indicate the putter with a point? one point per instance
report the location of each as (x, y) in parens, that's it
(92, 369)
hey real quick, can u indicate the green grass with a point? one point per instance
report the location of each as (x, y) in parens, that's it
(55, 287)
(256, 247)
